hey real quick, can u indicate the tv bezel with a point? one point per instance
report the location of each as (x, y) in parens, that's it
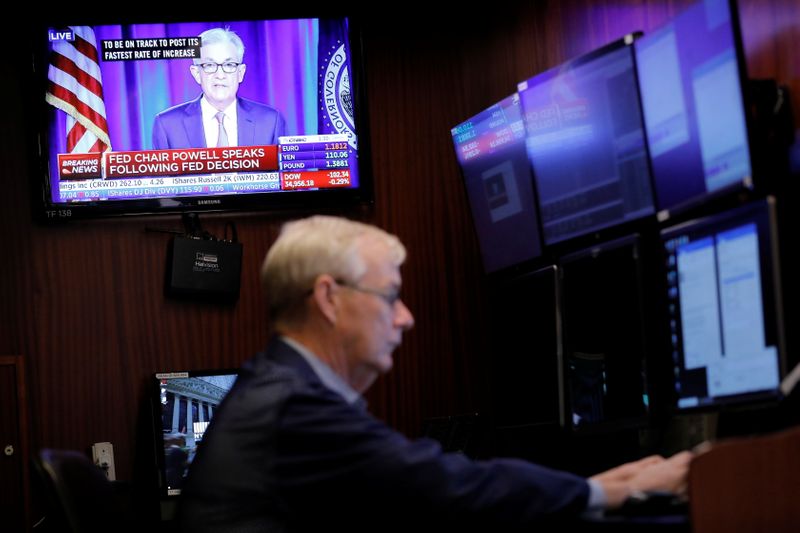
(46, 211)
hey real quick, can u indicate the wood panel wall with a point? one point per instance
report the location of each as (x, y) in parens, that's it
(83, 301)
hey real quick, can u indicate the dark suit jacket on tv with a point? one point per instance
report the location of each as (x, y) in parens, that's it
(285, 453)
(182, 126)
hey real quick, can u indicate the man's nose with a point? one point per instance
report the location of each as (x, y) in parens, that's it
(403, 317)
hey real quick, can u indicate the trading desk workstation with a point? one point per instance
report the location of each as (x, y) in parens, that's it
(633, 213)
(651, 263)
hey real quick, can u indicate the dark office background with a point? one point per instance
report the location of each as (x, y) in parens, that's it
(83, 302)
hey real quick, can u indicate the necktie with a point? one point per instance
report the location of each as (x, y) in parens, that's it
(222, 139)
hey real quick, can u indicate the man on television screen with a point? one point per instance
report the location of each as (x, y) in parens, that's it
(218, 117)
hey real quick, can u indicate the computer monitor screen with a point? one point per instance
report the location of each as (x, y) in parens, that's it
(605, 337)
(585, 140)
(490, 148)
(183, 115)
(526, 340)
(724, 307)
(185, 405)
(691, 73)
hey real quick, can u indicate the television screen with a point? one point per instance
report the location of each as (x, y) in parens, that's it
(724, 307)
(185, 404)
(491, 151)
(691, 73)
(177, 116)
(605, 349)
(585, 140)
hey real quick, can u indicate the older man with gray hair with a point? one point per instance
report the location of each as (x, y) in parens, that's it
(292, 447)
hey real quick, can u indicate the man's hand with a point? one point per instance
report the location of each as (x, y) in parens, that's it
(650, 473)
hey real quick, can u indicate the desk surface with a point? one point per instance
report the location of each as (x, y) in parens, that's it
(666, 523)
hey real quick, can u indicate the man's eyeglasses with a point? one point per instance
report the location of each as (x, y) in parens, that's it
(229, 67)
(391, 298)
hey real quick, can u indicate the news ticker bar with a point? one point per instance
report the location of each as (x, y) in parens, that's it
(485, 139)
(301, 153)
(233, 183)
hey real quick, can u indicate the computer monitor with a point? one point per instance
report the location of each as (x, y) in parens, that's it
(585, 140)
(490, 148)
(185, 403)
(724, 298)
(527, 347)
(605, 336)
(691, 78)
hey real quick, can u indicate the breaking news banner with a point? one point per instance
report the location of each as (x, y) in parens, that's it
(301, 152)
(190, 161)
(201, 185)
(298, 162)
(187, 161)
(79, 166)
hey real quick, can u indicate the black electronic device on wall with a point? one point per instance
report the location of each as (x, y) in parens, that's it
(204, 269)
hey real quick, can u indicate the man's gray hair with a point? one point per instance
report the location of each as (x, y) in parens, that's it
(223, 35)
(312, 246)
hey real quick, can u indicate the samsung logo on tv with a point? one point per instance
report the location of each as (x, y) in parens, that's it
(209, 202)
(60, 35)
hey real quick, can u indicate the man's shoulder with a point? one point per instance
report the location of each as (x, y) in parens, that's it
(262, 389)
(280, 368)
(253, 107)
(179, 110)
(264, 370)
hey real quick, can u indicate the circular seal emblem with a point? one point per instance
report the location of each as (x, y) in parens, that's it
(337, 98)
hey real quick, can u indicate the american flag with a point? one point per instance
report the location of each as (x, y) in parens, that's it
(76, 87)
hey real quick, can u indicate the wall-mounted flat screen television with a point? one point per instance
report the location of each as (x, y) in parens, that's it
(190, 116)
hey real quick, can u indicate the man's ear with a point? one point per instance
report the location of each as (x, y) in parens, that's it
(326, 298)
(241, 70)
(195, 70)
